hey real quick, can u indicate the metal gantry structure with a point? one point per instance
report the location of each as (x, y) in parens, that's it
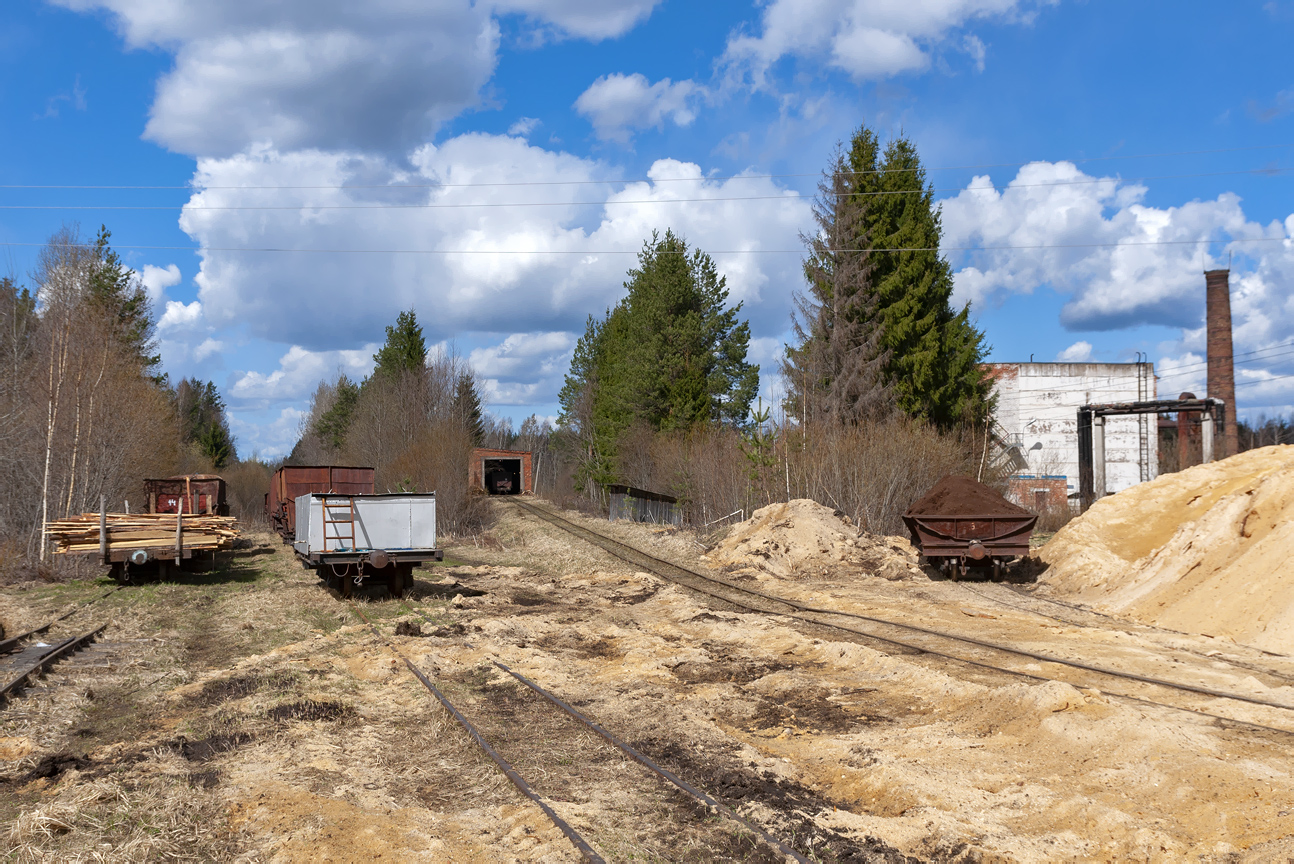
(1091, 435)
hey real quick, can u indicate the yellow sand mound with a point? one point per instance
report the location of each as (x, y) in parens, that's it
(1206, 550)
(803, 538)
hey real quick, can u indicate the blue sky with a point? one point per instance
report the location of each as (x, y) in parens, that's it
(1093, 158)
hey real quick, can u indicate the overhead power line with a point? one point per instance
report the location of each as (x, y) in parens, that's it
(459, 205)
(1108, 382)
(313, 251)
(1075, 160)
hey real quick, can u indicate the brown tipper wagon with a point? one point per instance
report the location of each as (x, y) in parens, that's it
(961, 524)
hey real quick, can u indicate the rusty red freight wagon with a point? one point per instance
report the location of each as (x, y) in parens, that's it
(187, 493)
(293, 481)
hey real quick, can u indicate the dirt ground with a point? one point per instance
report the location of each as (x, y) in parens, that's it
(248, 715)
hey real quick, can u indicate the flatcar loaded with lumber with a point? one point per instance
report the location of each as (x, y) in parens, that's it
(144, 544)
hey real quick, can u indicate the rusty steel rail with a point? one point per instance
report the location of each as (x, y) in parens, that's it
(56, 653)
(511, 773)
(8, 646)
(623, 551)
(1124, 627)
(664, 773)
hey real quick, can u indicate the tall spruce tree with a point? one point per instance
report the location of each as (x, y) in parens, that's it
(467, 405)
(898, 306)
(836, 373)
(202, 421)
(934, 352)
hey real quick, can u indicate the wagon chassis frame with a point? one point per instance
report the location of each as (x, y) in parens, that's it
(987, 541)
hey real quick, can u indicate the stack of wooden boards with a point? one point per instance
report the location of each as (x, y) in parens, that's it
(152, 531)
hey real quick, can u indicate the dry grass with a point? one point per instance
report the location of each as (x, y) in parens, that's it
(156, 818)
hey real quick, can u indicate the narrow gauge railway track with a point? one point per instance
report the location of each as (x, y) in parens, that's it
(11, 644)
(524, 786)
(740, 597)
(1122, 626)
(34, 660)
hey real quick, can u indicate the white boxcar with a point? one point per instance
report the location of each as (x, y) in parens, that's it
(352, 537)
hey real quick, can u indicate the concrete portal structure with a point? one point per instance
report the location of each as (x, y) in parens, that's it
(1037, 412)
(501, 472)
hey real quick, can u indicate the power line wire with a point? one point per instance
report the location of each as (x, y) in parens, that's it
(595, 252)
(1265, 172)
(1077, 160)
(1258, 355)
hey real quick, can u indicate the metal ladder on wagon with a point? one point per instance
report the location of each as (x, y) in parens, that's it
(331, 507)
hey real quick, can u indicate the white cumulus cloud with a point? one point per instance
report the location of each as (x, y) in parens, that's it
(1079, 352)
(376, 76)
(157, 279)
(589, 19)
(868, 39)
(299, 372)
(509, 259)
(617, 104)
(1123, 263)
(525, 368)
(268, 438)
(523, 126)
(208, 348)
(180, 316)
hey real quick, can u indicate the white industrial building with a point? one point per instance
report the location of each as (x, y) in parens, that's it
(1037, 411)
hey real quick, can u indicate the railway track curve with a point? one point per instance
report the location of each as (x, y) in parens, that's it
(763, 603)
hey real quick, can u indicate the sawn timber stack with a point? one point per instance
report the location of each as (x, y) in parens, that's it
(131, 542)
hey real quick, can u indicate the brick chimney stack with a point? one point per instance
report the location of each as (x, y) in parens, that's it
(1222, 372)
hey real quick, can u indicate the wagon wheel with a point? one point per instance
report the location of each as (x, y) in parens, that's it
(996, 574)
(957, 570)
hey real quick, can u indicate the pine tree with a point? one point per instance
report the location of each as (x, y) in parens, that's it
(202, 421)
(118, 292)
(674, 356)
(669, 356)
(835, 374)
(404, 351)
(333, 424)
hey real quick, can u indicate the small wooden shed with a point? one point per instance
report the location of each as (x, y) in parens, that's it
(639, 505)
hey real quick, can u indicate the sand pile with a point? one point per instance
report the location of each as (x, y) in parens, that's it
(803, 538)
(1206, 550)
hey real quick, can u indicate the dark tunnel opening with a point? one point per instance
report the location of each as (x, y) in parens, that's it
(503, 476)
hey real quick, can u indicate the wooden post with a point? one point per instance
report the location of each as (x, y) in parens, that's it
(179, 533)
(103, 528)
(188, 496)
